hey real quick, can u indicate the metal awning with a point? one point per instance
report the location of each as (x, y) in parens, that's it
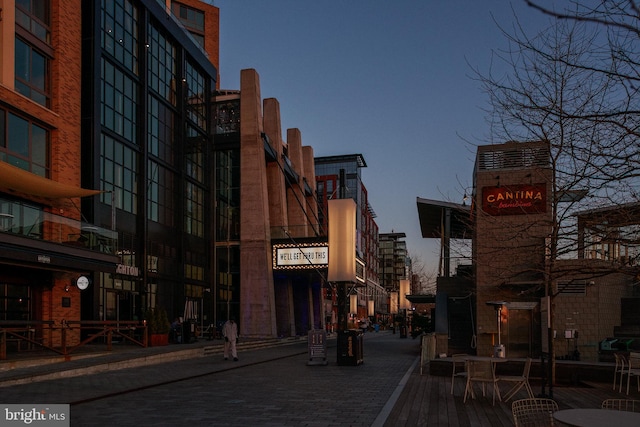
(431, 214)
(16, 180)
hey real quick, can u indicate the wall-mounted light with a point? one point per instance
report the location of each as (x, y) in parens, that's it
(66, 288)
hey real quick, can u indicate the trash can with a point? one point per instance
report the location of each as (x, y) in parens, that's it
(350, 347)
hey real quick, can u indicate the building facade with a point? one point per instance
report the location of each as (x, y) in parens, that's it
(130, 181)
(520, 300)
(46, 242)
(147, 143)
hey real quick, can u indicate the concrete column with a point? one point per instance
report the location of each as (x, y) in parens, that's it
(296, 202)
(277, 188)
(257, 300)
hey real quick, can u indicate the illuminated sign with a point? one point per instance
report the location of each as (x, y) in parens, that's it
(300, 256)
(515, 199)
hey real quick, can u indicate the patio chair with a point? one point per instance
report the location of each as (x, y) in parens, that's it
(621, 405)
(533, 412)
(458, 368)
(633, 369)
(621, 363)
(518, 381)
(482, 372)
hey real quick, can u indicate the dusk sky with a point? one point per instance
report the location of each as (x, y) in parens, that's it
(391, 80)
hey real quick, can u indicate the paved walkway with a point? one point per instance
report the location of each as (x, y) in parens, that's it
(270, 386)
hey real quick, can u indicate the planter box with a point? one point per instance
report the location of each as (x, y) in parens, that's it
(159, 339)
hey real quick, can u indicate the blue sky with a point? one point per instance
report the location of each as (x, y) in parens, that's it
(391, 80)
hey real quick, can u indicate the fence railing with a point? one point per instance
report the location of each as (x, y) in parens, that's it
(57, 338)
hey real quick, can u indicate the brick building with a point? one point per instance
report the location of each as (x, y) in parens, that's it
(509, 223)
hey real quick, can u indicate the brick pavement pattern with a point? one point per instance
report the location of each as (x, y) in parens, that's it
(267, 387)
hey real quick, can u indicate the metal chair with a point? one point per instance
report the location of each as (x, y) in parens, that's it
(533, 412)
(633, 369)
(458, 368)
(518, 381)
(621, 363)
(621, 405)
(483, 372)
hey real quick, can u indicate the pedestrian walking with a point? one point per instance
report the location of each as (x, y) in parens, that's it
(230, 334)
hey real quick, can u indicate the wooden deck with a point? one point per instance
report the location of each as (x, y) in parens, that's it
(427, 400)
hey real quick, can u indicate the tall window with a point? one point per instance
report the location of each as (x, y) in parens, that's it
(192, 19)
(31, 73)
(24, 144)
(33, 16)
(194, 210)
(120, 32)
(118, 169)
(228, 195)
(161, 55)
(160, 207)
(195, 93)
(160, 119)
(119, 101)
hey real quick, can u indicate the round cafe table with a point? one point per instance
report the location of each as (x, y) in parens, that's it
(587, 417)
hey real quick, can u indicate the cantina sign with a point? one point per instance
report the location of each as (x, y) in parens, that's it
(515, 199)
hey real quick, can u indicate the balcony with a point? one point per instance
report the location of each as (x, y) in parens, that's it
(27, 222)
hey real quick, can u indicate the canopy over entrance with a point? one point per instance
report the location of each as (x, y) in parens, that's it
(16, 180)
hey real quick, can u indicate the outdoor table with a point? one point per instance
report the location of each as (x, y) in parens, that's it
(588, 417)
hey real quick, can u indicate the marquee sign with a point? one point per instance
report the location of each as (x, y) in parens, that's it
(300, 256)
(515, 199)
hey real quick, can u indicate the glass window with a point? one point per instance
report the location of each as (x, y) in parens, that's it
(162, 65)
(33, 16)
(15, 302)
(120, 32)
(191, 18)
(194, 210)
(23, 143)
(160, 138)
(228, 195)
(227, 117)
(119, 173)
(160, 194)
(195, 88)
(194, 156)
(119, 102)
(31, 73)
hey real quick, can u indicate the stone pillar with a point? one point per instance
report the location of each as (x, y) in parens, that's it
(257, 300)
(296, 202)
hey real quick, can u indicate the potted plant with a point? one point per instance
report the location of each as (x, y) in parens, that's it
(159, 326)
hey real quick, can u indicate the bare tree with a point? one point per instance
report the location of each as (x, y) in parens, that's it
(574, 87)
